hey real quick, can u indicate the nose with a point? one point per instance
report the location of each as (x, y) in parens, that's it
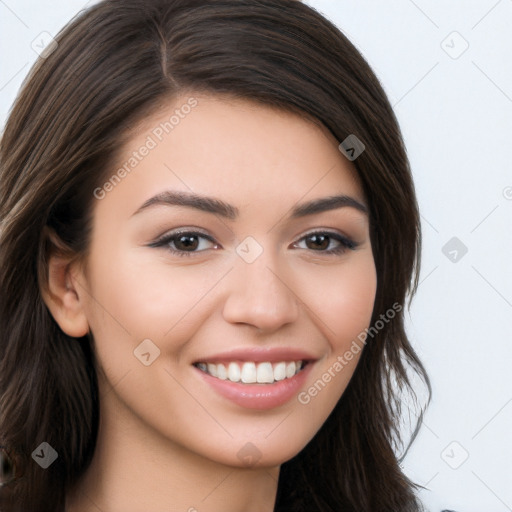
(259, 296)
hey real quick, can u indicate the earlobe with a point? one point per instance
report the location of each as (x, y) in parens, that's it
(63, 296)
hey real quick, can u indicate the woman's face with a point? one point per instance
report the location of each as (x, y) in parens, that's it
(241, 280)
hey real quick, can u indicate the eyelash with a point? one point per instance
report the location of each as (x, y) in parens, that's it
(345, 243)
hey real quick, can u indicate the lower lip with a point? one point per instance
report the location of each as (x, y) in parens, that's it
(258, 396)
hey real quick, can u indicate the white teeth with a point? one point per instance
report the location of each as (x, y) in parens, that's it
(290, 369)
(250, 372)
(212, 369)
(264, 373)
(221, 372)
(280, 371)
(234, 372)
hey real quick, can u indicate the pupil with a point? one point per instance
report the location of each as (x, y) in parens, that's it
(188, 242)
(322, 240)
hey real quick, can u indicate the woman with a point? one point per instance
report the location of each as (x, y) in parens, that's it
(208, 234)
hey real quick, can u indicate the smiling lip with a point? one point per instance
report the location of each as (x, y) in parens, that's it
(259, 355)
(259, 396)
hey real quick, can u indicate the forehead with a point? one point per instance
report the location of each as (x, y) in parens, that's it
(241, 151)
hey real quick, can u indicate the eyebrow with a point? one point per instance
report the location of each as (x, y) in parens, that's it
(218, 207)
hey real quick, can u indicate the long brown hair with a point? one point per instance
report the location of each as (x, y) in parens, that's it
(114, 64)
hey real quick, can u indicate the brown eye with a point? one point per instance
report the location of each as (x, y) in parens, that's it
(185, 243)
(321, 241)
(318, 242)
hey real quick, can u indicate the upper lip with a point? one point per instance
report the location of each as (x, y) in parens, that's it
(259, 355)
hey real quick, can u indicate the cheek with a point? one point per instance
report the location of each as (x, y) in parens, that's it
(344, 312)
(342, 300)
(137, 300)
(351, 308)
(147, 298)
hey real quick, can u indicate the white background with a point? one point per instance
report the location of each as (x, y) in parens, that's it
(455, 111)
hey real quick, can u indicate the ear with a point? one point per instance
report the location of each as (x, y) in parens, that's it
(62, 293)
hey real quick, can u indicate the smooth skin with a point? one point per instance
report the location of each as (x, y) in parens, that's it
(167, 440)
